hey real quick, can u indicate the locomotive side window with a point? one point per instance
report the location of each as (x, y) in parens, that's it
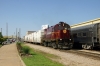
(75, 35)
(90, 34)
(60, 27)
(56, 28)
(79, 34)
(84, 34)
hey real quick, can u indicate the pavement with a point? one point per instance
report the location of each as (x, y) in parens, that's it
(9, 56)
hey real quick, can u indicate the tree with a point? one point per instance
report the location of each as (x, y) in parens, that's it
(1, 38)
(1, 35)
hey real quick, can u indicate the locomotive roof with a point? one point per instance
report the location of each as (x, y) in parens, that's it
(86, 23)
(83, 27)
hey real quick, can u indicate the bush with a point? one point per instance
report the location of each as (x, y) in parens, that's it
(19, 45)
(26, 49)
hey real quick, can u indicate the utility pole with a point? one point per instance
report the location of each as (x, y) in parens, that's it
(16, 33)
(20, 34)
(1, 30)
(7, 29)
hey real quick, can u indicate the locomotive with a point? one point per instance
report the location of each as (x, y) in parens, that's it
(58, 36)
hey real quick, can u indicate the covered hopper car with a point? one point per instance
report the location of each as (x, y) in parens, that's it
(86, 35)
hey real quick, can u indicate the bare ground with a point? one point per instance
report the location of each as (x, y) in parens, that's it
(68, 59)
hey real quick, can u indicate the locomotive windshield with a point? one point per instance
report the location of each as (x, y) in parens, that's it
(64, 26)
(67, 27)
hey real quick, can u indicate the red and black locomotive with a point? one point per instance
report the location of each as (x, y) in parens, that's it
(58, 36)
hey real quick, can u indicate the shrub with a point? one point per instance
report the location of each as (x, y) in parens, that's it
(23, 49)
(26, 49)
(19, 45)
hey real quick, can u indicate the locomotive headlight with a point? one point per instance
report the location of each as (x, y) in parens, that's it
(65, 28)
(60, 39)
(64, 31)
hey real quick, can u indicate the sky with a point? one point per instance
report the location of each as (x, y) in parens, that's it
(30, 15)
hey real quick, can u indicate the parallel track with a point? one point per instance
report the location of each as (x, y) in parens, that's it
(95, 56)
(86, 53)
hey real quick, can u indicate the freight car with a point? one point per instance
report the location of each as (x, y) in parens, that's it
(36, 36)
(87, 34)
(56, 36)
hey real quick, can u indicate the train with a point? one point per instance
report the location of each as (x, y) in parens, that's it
(86, 35)
(57, 36)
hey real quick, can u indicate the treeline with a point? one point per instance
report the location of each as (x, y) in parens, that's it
(2, 39)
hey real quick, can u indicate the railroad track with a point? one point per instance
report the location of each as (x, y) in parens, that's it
(85, 53)
(94, 54)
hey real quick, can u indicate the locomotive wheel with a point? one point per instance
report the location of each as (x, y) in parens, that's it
(88, 46)
(60, 46)
(45, 44)
(54, 45)
(85, 46)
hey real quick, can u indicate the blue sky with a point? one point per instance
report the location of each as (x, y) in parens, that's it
(32, 14)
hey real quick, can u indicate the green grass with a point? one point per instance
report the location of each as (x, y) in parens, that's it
(40, 58)
(47, 54)
(0, 45)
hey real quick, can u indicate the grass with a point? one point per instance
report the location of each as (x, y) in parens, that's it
(0, 45)
(47, 54)
(40, 58)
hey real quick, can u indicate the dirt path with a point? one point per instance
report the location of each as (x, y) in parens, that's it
(68, 59)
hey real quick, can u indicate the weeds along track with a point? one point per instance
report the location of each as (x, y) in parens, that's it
(87, 53)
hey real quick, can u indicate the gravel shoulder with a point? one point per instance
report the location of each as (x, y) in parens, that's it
(68, 59)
